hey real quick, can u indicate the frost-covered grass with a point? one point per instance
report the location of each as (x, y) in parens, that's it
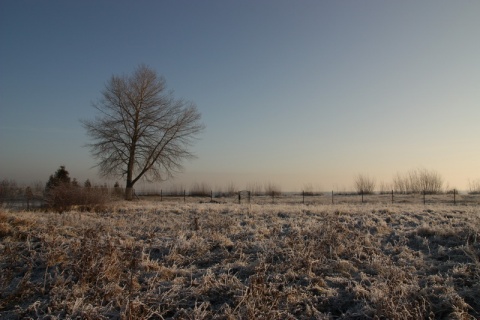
(227, 261)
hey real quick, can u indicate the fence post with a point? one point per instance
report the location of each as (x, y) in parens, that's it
(332, 196)
(273, 196)
(184, 196)
(361, 191)
(303, 194)
(424, 197)
(211, 195)
(392, 196)
(239, 197)
(454, 198)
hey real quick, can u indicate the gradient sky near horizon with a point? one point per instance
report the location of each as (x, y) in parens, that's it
(291, 92)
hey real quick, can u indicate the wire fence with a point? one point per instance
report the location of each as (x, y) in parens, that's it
(247, 197)
(320, 198)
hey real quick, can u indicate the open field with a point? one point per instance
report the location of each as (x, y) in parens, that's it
(174, 260)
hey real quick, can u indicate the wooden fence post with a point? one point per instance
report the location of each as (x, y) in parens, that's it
(392, 196)
(424, 197)
(332, 196)
(303, 194)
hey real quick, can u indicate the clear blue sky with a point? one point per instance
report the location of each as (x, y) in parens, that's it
(291, 92)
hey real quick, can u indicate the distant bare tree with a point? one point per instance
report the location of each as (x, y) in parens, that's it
(141, 130)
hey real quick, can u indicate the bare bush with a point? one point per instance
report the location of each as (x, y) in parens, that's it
(418, 181)
(255, 188)
(384, 188)
(9, 190)
(200, 190)
(364, 184)
(118, 191)
(474, 186)
(62, 194)
(430, 181)
(310, 190)
(272, 189)
(231, 190)
(64, 198)
(176, 190)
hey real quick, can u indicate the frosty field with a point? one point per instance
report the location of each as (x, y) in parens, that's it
(173, 260)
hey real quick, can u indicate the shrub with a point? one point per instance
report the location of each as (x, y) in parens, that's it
(474, 187)
(385, 188)
(364, 184)
(176, 190)
(417, 181)
(200, 190)
(310, 190)
(118, 191)
(272, 189)
(62, 194)
(9, 190)
(255, 188)
(231, 190)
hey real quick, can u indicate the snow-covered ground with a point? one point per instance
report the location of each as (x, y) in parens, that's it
(174, 260)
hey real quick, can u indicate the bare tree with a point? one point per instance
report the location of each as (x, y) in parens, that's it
(141, 129)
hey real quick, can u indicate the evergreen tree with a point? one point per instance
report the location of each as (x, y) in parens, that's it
(60, 178)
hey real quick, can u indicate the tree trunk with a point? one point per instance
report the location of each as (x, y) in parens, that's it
(129, 190)
(129, 193)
